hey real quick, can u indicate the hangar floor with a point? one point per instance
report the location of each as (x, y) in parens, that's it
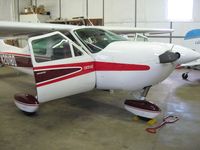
(97, 121)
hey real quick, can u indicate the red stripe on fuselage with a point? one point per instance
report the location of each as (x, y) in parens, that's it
(15, 59)
(88, 67)
(100, 66)
(107, 66)
(16, 54)
(71, 75)
(24, 60)
(85, 67)
(50, 67)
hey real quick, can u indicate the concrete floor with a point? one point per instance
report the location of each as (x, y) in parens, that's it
(97, 121)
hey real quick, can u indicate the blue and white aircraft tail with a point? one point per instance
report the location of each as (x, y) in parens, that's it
(192, 38)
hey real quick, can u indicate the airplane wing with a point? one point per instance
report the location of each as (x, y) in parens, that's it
(130, 30)
(10, 29)
(190, 64)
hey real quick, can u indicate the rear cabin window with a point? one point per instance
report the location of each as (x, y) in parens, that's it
(51, 48)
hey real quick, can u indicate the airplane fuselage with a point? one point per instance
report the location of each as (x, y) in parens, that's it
(121, 65)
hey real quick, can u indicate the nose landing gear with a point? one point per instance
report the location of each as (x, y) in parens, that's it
(142, 107)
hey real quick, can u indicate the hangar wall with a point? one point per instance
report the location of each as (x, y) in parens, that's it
(9, 9)
(139, 13)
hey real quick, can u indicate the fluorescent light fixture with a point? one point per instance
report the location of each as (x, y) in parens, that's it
(180, 10)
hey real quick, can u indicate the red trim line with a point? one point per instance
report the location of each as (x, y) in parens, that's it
(44, 76)
(107, 66)
(18, 54)
(101, 66)
(89, 67)
(65, 77)
(63, 66)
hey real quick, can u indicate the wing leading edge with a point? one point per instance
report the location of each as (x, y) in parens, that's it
(10, 29)
(130, 30)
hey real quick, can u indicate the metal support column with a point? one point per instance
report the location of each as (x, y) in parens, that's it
(18, 11)
(60, 11)
(103, 12)
(170, 37)
(36, 3)
(135, 13)
(87, 8)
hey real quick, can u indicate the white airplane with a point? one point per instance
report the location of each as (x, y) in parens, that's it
(192, 38)
(67, 60)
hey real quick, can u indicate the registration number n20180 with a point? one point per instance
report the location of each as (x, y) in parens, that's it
(8, 59)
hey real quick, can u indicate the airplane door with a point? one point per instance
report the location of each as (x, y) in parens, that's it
(60, 67)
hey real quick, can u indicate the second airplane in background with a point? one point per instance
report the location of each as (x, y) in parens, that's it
(192, 38)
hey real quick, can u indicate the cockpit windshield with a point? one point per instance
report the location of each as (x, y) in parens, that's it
(96, 39)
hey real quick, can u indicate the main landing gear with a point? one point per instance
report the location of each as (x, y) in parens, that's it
(26, 103)
(141, 107)
(185, 75)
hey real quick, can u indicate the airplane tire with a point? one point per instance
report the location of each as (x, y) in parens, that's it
(29, 113)
(27, 103)
(184, 76)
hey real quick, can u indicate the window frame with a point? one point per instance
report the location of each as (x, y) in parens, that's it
(71, 44)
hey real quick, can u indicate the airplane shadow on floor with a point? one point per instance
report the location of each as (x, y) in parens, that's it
(16, 80)
(100, 108)
(74, 110)
(11, 75)
(81, 107)
(189, 90)
(194, 81)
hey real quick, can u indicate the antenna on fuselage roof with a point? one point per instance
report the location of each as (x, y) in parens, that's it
(90, 22)
(83, 20)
